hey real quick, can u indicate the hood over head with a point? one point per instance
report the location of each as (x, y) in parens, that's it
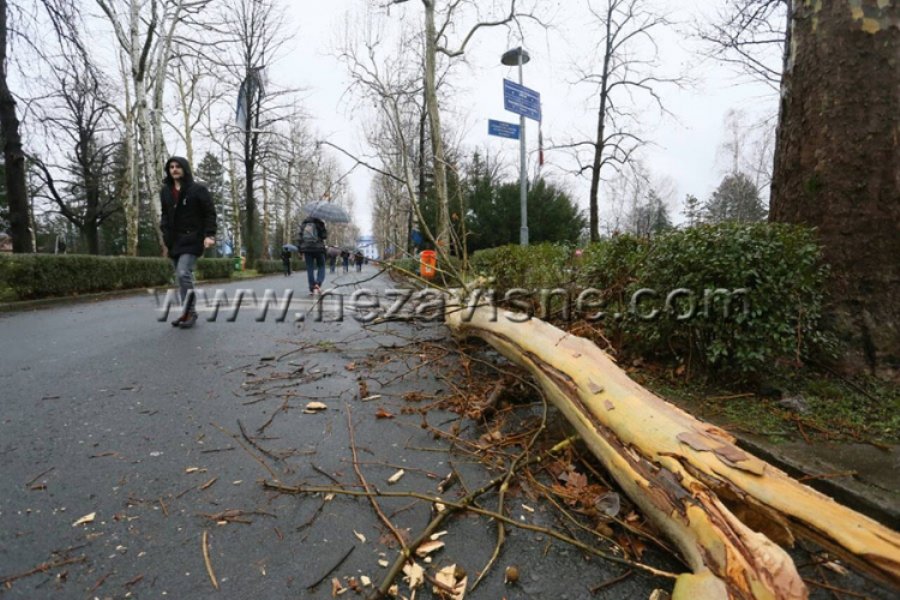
(185, 166)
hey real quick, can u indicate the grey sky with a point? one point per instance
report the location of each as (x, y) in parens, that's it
(686, 143)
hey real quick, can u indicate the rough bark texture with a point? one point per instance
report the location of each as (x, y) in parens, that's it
(837, 165)
(14, 157)
(721, 506)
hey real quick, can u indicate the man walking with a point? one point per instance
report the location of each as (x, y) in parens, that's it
(188, 226)
(311, 242)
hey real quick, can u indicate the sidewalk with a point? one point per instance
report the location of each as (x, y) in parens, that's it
(861, 476)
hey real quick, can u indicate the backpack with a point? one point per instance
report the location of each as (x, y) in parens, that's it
(309, 234)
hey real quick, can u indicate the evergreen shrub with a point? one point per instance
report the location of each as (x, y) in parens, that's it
(264, 267)
(32, 276)
(214, 268)
(735, 298)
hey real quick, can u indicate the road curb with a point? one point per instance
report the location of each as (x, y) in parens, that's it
(26, 305)
(884, 512)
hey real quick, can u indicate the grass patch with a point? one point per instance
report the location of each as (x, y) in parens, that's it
(797, 405)
(245, 274)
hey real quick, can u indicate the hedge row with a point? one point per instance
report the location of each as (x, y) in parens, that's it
(215, 268)
(32, 276)
(275, 266)
(733, 297)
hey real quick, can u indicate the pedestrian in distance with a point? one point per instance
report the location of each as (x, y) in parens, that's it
(188, 226)
(333, 252)
(311, 242)
(286, 261)
(345, 259)
(358, 259)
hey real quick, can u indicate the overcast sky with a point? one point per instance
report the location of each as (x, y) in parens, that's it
(686, 143)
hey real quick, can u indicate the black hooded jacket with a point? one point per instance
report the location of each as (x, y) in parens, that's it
(184, 224)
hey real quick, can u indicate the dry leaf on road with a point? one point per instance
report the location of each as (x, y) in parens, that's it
(415, 575)
(447, 577)
(85, 519)
(381, 413)
(426, 548)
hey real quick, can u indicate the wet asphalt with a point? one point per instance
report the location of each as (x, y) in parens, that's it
(159, 433)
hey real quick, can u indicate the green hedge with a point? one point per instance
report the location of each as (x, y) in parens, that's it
(779, 316)
(733, 298)
(33, 276)
(274, 266)
(539, 266)
(215, 268)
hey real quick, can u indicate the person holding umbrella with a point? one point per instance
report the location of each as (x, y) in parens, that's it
(286, 258)
(312, 239)
(311, 242)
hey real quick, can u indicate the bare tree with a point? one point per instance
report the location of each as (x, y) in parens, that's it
(197, 90)
(145, 30)
(624, 72)
(256, 37)
(751, 35)
(80, 185)
(441, 21)
(386, 77)
(748, 149)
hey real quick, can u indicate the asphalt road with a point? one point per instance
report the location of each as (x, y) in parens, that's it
(112, 417)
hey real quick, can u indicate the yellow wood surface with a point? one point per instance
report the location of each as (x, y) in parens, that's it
(682, 472)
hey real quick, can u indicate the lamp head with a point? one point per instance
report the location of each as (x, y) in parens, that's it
(510, 58)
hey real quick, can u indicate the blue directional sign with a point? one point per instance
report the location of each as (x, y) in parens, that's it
(521, 100)
(503, 129)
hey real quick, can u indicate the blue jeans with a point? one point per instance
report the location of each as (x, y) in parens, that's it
(313, 261)
(184, 274)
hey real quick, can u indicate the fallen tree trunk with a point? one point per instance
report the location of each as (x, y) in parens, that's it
(721, 506)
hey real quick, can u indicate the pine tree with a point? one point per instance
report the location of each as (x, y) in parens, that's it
(693, 211)
(650, 218)
(736, 199)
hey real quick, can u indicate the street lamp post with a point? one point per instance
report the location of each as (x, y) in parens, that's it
(519, 56)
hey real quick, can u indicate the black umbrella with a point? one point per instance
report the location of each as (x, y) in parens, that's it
(327, 211)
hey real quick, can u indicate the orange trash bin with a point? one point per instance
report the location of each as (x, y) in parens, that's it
(428, 264)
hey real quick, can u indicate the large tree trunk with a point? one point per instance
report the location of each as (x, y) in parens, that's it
(720, 505)
(442, 240)
(836, 164)
(13, 156)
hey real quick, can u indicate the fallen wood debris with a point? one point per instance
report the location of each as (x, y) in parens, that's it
(723, 508)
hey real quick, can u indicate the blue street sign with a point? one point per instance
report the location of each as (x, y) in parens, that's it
(521, 100)
(503, 129)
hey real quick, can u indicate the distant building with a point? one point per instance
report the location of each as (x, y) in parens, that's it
(367, 244)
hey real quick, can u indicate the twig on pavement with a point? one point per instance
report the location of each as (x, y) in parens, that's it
(332, 569)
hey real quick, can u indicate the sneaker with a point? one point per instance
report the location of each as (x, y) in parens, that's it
(317, 289)
(189, 320)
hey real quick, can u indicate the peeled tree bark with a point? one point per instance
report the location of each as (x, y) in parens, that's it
(721, 506)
